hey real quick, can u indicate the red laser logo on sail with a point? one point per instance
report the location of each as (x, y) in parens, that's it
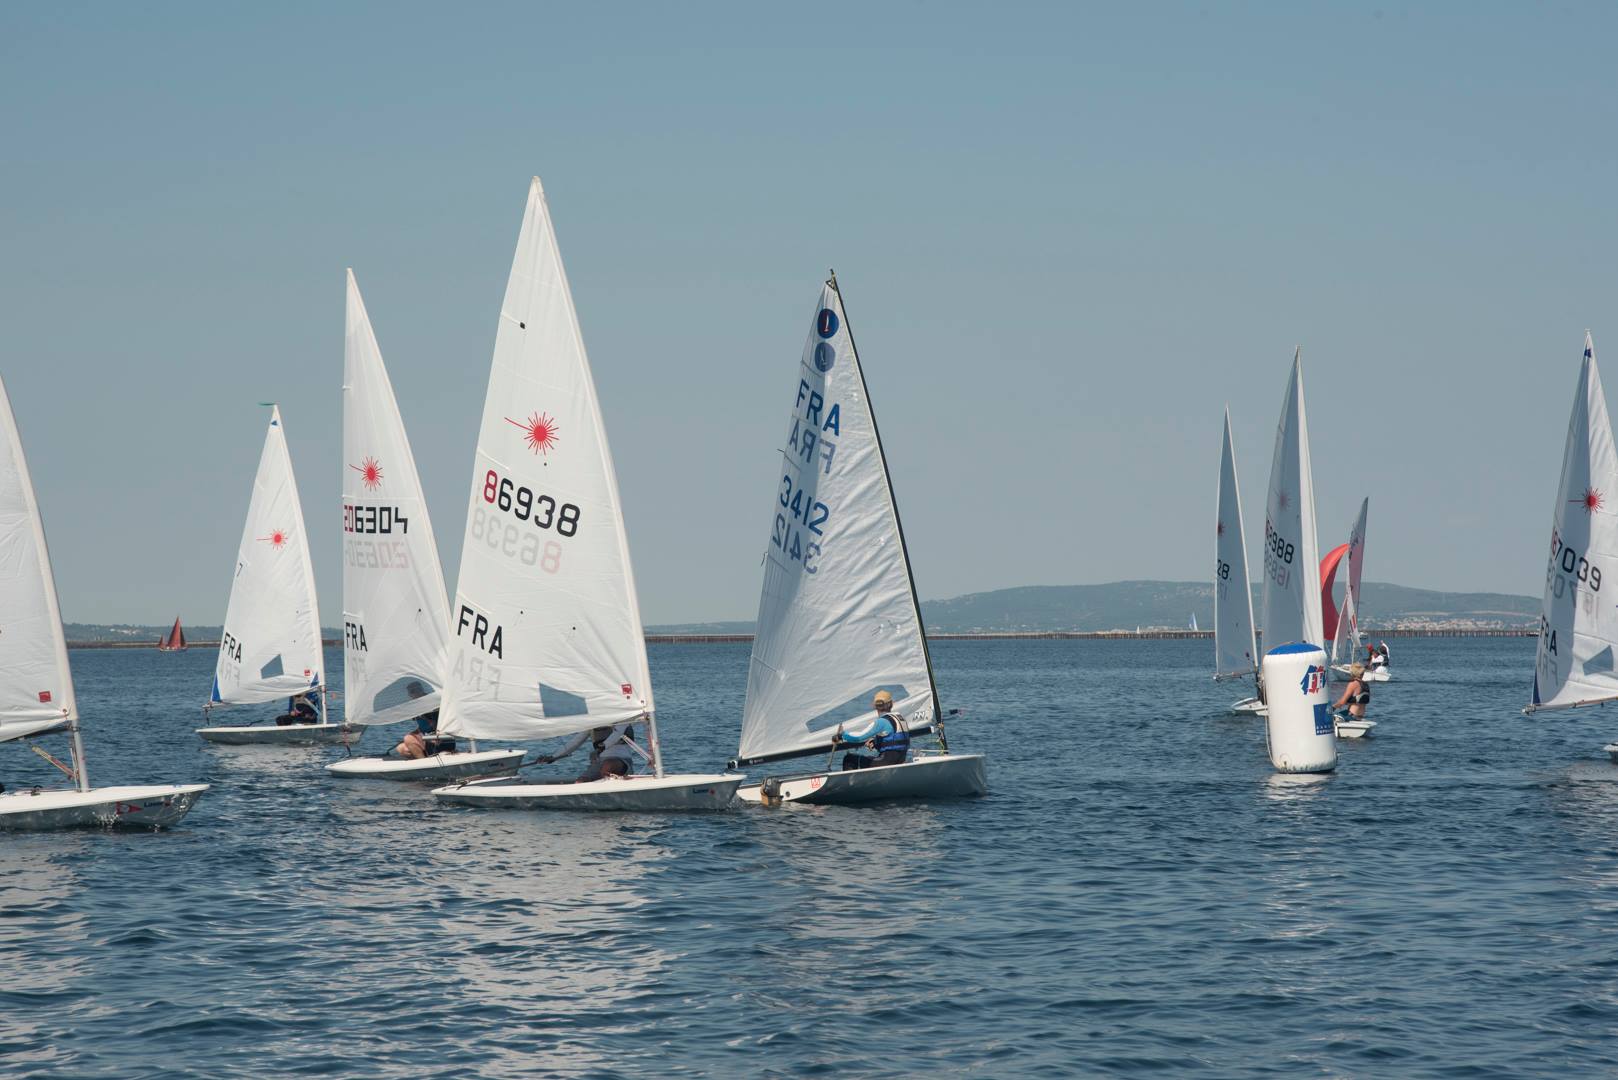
(539, 430)
(1591, 500)
(277, 539)
(370, 471)
(1283, 500)
(1221, 530)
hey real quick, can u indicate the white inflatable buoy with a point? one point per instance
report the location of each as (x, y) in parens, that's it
(1299, 726)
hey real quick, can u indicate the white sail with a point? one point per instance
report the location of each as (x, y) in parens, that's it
(546, 636)
(1235, 647)
(1291, 592)
(1578, 628)
(271, 644)
(395, 611)
(1356, 553)
(837, 619)
(36, 686)
(1346, 642)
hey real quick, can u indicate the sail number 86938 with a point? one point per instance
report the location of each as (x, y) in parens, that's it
(521, 503)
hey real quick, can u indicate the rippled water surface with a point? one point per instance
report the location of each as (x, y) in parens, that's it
(1139, 895)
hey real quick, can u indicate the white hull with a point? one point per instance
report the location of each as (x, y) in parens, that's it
(150, 806)
(1355, 729)
(449, 766)
(685, 791)
(1612, 751)
(1248, 707)
(939, 776)
(274, 735)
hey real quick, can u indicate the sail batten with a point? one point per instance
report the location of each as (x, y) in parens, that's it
(36, 683)
(545, 634)
(1578, 630)
(1235, 640)
(838, 618)
(270, 646)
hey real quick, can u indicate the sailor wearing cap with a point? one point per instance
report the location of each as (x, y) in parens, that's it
(885, 736)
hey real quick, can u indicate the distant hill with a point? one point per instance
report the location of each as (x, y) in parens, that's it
(1127, 604)
(1124, 605)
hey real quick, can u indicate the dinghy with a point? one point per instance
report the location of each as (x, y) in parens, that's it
(547, 639)
(1235, 641)
(1352, 646)
(395, 613)
(270, 647)
(1349, 728)
(838, 619)
(1578, 629)
(175, 641)
(36, 684)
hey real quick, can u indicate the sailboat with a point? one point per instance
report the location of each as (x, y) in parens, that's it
(270, 647)
(36, 684)
(1578, 630)
(1347, 646)
(395, 613)
(547, 638)
(838, 619)
(175, 642)
(1235, 641)
(1290, 596)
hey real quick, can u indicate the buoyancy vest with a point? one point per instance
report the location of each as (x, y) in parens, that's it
(896, 740)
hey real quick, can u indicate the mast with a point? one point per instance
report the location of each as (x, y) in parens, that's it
(893, 503)
(81, 773)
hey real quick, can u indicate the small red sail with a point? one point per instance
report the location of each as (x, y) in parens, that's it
(175, 642)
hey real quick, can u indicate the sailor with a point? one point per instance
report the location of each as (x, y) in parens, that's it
(611, 752)
(299, 711)
(427, 725)
(885, 736)
(1356, 695)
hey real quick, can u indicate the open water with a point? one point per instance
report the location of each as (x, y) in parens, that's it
(1140, 895)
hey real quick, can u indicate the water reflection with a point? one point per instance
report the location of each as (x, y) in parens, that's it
(42, 943)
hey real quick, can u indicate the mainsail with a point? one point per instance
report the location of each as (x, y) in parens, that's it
(837, 619)
(1577, 628)
(1291, 593)
(271, 644)
(1356, 555)
(395, 611)
(36, 688)
(1235, 646)
(546, 636)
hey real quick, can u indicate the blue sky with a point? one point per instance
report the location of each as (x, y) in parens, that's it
(1067, 236)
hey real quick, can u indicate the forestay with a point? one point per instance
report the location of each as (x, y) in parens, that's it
(546, 634)
(271, 644)
(1577, 628)
(837, 619)
(36, 686)
(395, 611)
(1235, 647)
(1291, 591)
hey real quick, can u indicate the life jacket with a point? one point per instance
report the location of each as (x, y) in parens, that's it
(897, 739)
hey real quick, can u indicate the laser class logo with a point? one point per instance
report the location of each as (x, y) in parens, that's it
(1283, 500)
(539, 432)
(1314, 680)
(1219, 530)
(370, 471)
(277, 539)
(1592, 500)
(826, 322)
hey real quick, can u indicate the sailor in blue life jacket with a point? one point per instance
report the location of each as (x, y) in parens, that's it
(612, 752)
(884, 736)
(424, 741)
